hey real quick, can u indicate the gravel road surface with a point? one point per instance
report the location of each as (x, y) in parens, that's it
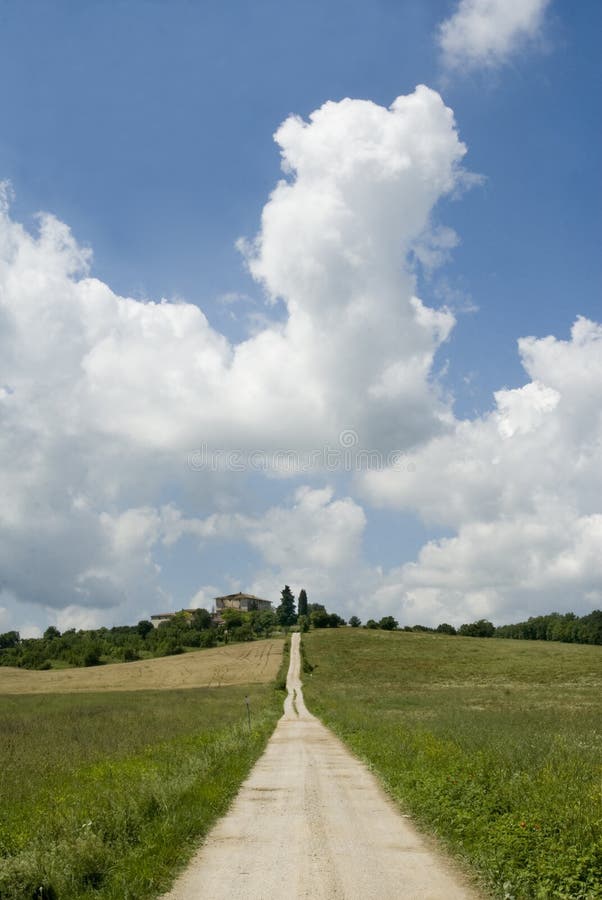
(312, 822)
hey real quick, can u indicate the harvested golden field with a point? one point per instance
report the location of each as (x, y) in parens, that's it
(247, 663)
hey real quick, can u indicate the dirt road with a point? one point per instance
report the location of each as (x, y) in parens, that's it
(312, 822)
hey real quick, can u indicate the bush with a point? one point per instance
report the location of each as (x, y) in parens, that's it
(193, 639)
(208, 639)
(388, 623)
(169, 647)
(144, 628)
(201, 620)
(91, 657)
(320, 618)
(482, 628)
(232, 618)
(303, 623)
(9, 639)
(244, 633)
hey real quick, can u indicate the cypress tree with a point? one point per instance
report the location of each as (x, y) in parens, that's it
(302, 604)
(285, 613)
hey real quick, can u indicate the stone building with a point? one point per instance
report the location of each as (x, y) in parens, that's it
(242, 602)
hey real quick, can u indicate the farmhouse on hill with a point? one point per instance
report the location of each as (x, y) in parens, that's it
(243, 602)
(159, 618)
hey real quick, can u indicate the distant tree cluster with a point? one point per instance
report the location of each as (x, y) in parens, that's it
(308, 615)
(183, 631)
(127, 643)
(565, 627)
(387, 623)
(321, 618)
(482, 628)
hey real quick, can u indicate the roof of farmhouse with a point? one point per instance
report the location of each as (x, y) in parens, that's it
(241, 596)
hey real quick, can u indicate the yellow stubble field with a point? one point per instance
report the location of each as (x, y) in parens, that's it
(247, 663)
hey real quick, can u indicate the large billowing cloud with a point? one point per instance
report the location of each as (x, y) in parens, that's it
(312, 540)
(487, 32)
(520, 487)
(102, 396)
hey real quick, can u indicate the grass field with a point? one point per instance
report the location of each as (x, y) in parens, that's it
(494, 746)
(255, 662)
(106, 794)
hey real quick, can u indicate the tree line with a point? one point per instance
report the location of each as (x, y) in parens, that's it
(566, 627)
(127, 643)
(306, 614)
(183, 631)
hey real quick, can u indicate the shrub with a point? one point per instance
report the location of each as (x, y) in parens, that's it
(232, 618)
(244, 633)
(91, 656)
(208, 639)
(169, 647)
(320, 618)
(482, 628)
(303, 623)
(144, 628)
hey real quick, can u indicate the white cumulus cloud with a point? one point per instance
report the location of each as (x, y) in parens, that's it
(103, 396)
(314, 539)
(485, 33)
(521, 488)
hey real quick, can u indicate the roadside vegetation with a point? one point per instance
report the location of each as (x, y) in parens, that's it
(107, 795)
(494, 746)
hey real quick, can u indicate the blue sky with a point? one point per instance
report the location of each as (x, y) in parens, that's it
(147, 127)
(149, 130)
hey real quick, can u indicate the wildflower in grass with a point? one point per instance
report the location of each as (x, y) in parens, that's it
(523, 824)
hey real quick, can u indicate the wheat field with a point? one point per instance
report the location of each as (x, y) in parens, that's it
(256, 662)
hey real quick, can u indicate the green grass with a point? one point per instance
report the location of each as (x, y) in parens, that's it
(494, 746)
(106, 795)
